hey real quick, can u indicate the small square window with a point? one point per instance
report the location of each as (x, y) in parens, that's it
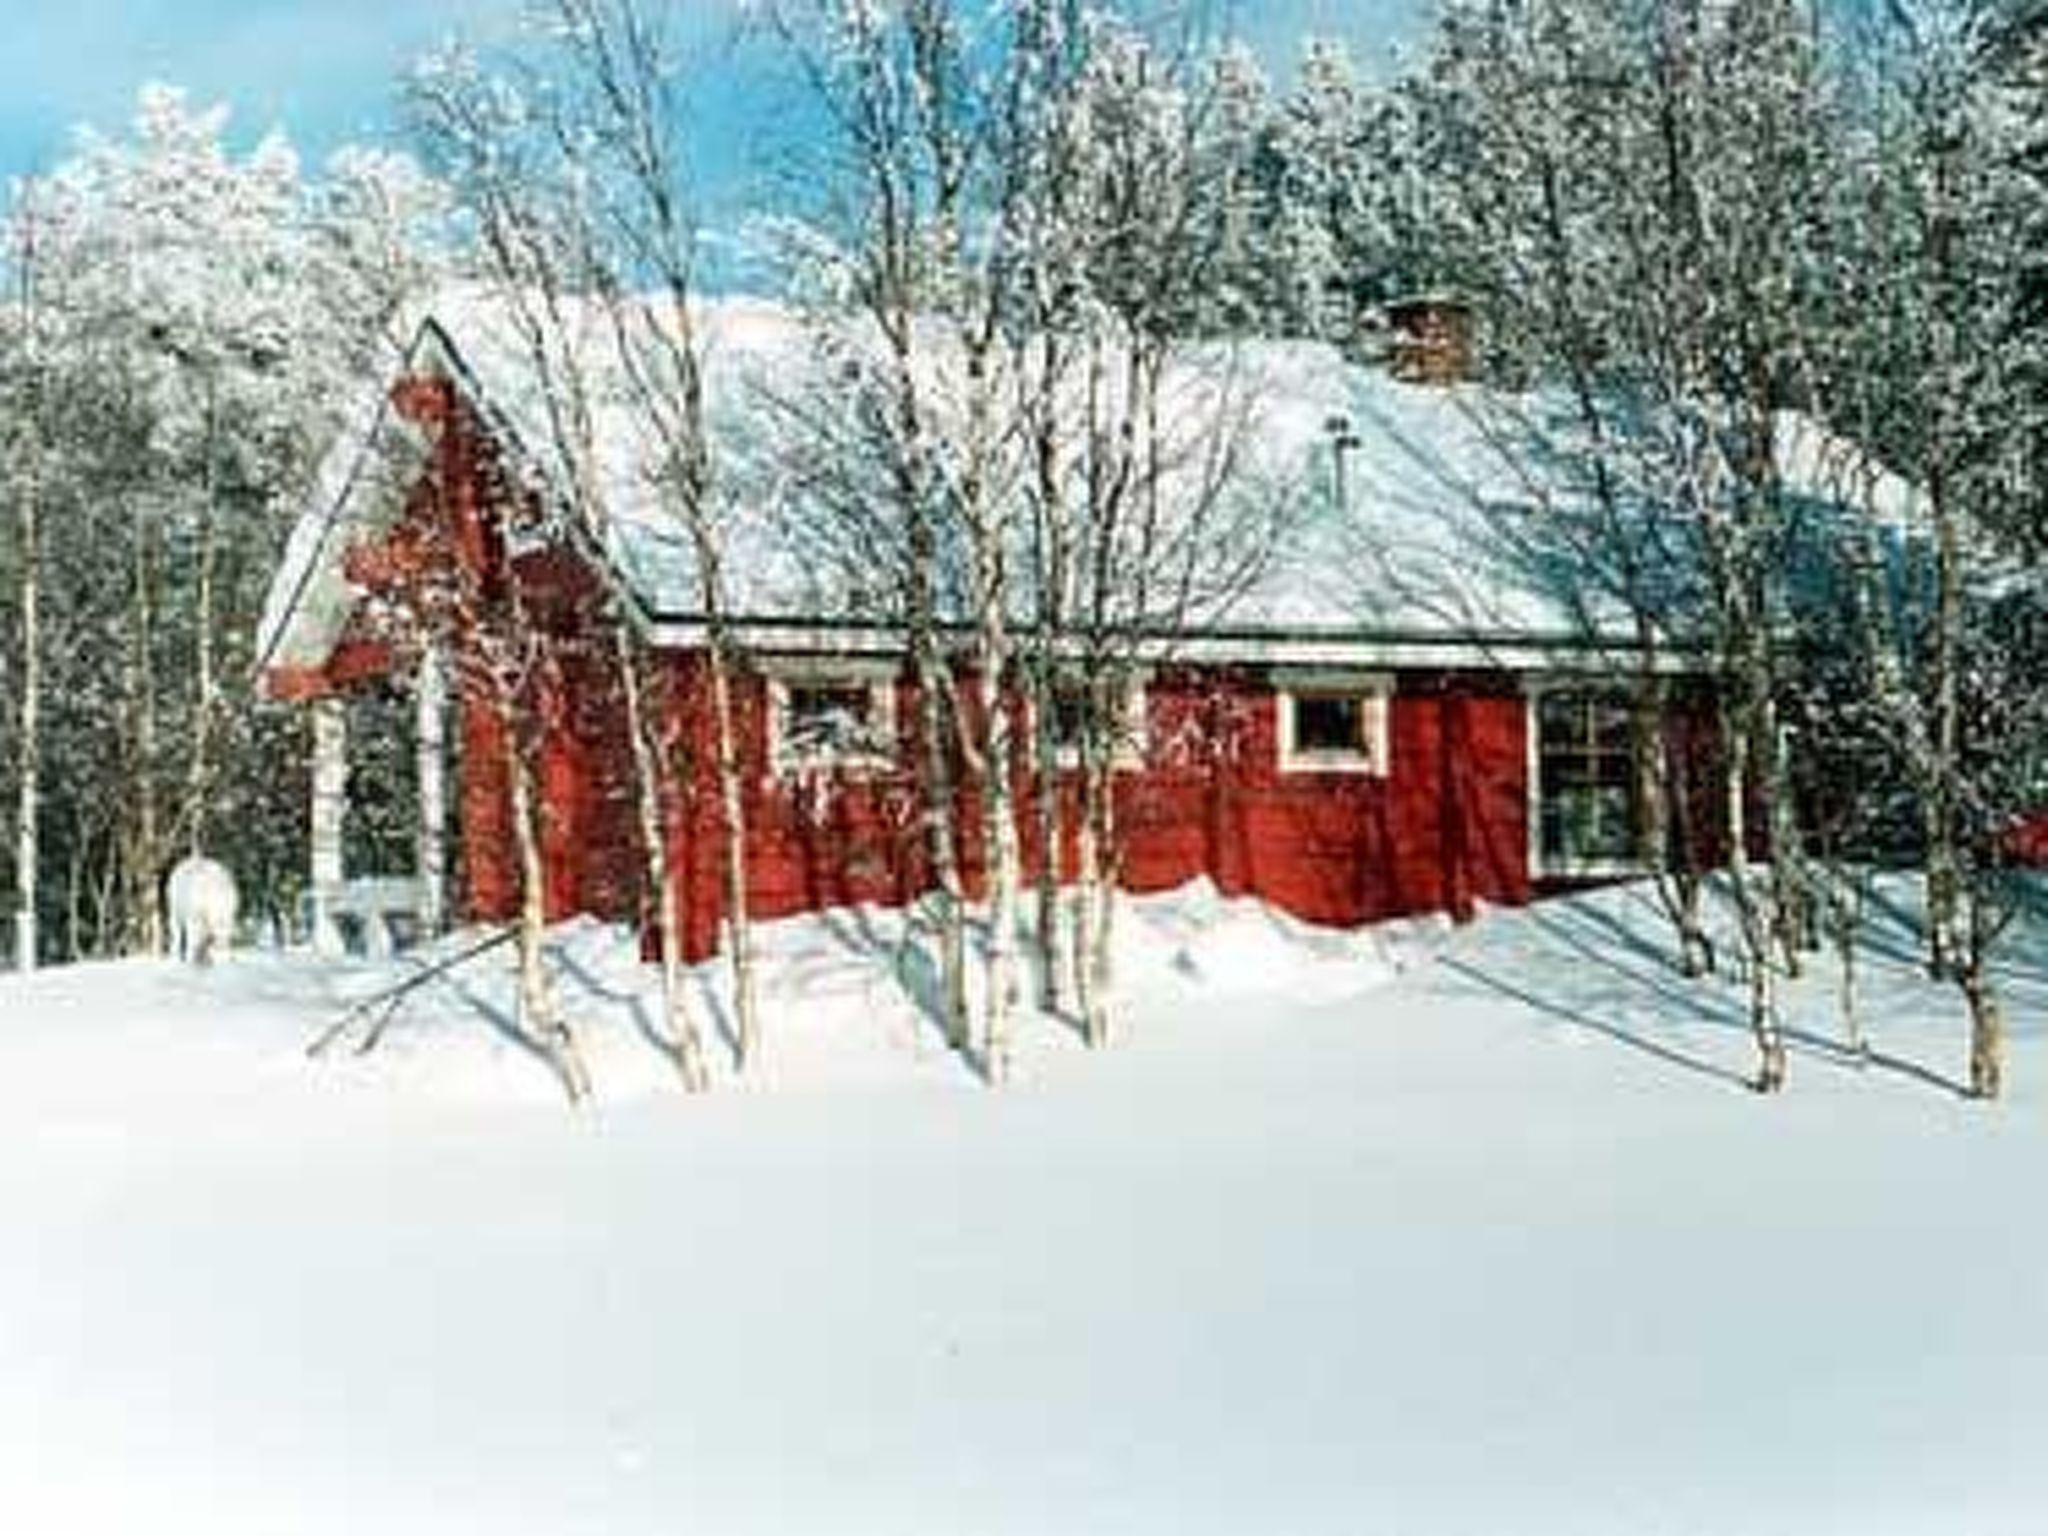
(1337, 725)
(831, 720)
(829, 717)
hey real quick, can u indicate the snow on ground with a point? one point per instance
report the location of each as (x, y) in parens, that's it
(1411, 1231)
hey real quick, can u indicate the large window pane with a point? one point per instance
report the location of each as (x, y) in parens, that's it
(1587, 776)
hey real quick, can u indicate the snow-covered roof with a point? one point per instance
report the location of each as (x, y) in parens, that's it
(1378, 518)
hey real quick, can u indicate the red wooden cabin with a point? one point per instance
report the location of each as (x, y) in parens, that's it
(1385, 720)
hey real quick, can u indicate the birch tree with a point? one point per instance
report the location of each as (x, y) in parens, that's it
(496, 139)
(901, 249)
(1662, 168)
(626, 61)
(1928, 358)
(22, 390)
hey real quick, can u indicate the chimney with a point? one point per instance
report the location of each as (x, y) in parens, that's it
(1429, 340)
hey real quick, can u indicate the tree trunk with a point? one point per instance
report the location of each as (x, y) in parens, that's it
(1080, 924)
(1001, 858)
(1755, 922)
(1102, 896)
(1695, 949)
(1045, 754)
(1051, 550)
(941, 843)
(145, 909)
(1666, 830)
(1987, 1035)
(652, 795)
(430, 857)
(326, 818)
(999, 821)
(540, 1022)
(1987, 1019)
(199, 772)
(28, 809)
(74, 902)
(733, 817)
(1095, 893)
(1846, 911)
(1792, 892)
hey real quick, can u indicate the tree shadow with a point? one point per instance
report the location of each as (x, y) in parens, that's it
(718, 1011)
(908, 960)
(455, 977)
(1665, 1053)
(634, 1000)
(1569, 929)
(909, 957)
(1913, 1070)
(1664, 988)
(498, 1019)
(1596, 915)
(1902, 924)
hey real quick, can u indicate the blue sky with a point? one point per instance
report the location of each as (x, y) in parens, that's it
(323, 69)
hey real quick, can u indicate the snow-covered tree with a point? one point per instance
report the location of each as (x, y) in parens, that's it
(1633, 202)
(23, 408)
(1925, 351)
(191, 353)
(1006, 280)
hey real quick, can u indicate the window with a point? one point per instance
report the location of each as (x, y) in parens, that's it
(1334, 724)
(1587, 793)
(840, 716)
(829, 717)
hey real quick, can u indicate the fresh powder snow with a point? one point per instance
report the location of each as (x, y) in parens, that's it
(1416, 1230)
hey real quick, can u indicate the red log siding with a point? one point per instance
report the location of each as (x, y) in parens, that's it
(1447, 827)
(489, 875)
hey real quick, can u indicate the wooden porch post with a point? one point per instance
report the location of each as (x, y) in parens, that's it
(330, 808)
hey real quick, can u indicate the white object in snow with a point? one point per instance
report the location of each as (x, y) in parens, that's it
(200, 902)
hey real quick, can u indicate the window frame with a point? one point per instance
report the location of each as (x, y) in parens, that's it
(1583, 694)
(1373, 691)
(877, 678)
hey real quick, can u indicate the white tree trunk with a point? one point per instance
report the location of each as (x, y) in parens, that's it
(1095, 895)
(28, 809)
(206, 686)
(1080, 926)
(329, 812)
(1046, 807)
(1102, 909)
(1846, 911)
(941, 845)
(540, 1021)
(430, 856)
(145, 853)
(1004, 860)
(652, 796)
(733, 812)
(1050, 546)
(1755, 922)
(1987, 1019)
